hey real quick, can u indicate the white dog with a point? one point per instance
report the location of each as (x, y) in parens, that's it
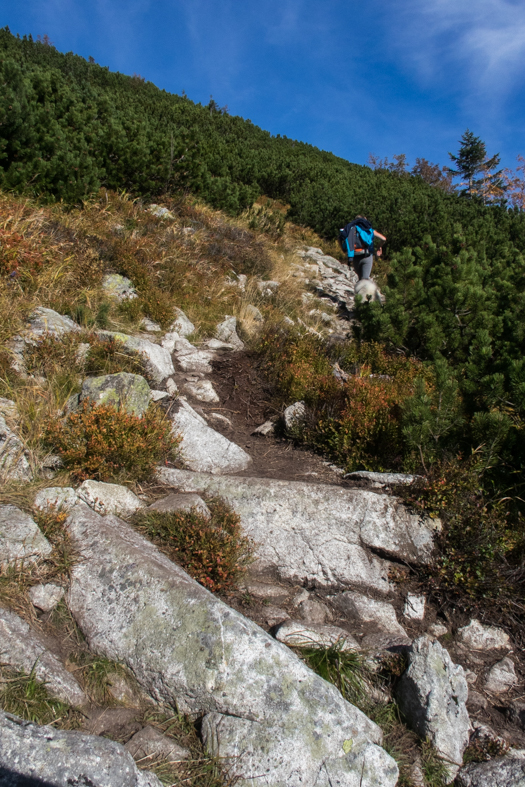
(369, 291)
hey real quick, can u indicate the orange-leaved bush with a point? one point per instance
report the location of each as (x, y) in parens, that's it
(107, 444)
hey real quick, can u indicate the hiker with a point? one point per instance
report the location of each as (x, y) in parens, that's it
(357, 240)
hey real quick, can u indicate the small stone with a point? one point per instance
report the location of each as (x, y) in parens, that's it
(113, 722)
(501, 677)
(14, 464)
(261, 590)
(20, 537)
(377, 619)
(274, 615)
(46, 597)
(129, 392)
(181, 502)
(476, 701)
(267, 288)
(311, 635)
(382, 479)
(313, 611)
(160, 212)
(437, 630)
(253, 313)
(479, 637)
(157, 359)
(508, 771)
(150, 325)
(8, 408)
(414, 608)
(109, 498)
(288, 321)
(158, 396)
(217, 344)
(202, 390)
(119, 287)
(267, 429)
(516, 713)
(120, 690)
(190, 359)
(221, 420)
(226, 331)
(182, 325)
(151, 743)
(58, 497)
(470, 676)
(46, 321)
(171, 387)
(294, 415)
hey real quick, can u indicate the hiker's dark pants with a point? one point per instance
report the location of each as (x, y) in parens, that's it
(363, 265)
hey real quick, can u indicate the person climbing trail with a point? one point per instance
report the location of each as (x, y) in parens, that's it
(357, 240)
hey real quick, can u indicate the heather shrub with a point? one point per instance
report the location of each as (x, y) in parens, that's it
(213, 550)
(111, 445)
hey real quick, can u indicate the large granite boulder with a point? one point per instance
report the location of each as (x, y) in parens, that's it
(432, 695)
(31, 754)
(270, 719)
(202, 448)
(20, 537)
(317, 534)
(124, 391)
(25, 650)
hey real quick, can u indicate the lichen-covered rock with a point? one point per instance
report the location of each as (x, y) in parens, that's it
(109, 498)
(317, 534)
(46, 597)
(314, 635)
(34, 754)
(226, 331)
(508, 771)
(375, 619)
(24, 649)
(129, 392)
(263, 710)
(14, 465)
(476, 636)
(501, 677)
(57, 497)
(20, 537)
(181, 502)
(157, 359)
(432, 695)
(119, 287)
(202, 448)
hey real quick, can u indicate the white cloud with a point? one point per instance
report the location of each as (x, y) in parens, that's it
(478, 46)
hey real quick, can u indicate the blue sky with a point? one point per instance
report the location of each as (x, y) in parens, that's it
(383, 76)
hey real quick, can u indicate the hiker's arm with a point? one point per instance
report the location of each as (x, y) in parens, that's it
(382, 238)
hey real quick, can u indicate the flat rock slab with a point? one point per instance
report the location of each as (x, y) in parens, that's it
(109, 498)
(202, 448)
(188, 501)
(20, 537)
(14, 465)
(263, 710)
(129, 392)
(59, 497)
(34, 754)
(432, 695)
(23, 649)
(476, 636)
(316, 534)
(302, 635)
(501, 677)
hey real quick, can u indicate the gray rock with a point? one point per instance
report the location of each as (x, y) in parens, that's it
(437, 630)
(14, 464)
(151, 743)
(508, 771)
(158, 396)
(303, 635)
(182, 325)
(263, 590)
(376, 619)
(171, 387)
(220, 420)
(501, 677)
(202, 390)
(119, 287)
(382, 479)
(57, 497)
(109, 498)
(414, 608)
(112, 722)
(226, 331)
(189, 358)
(294, 415)
(181, 502)
(46, 321)
(121, 690)
(267, 429)
(317, 534)
(313, 611)
(129, 392)
(46, 597)
(476, 701)
(217, 344)
(189, 650)
(23, 649)
(476, 636)
(267, 288)
(160, 212)
(157, 359)
(33, 754)
(8, 408)
(202, 448)
(20, 537)
(432, 695)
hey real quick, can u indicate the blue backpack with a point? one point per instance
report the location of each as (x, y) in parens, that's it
(357, 238)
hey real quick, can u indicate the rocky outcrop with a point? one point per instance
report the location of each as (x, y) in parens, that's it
(272, 720)
(317, 534)
(202, 448)
(23, 649)
(331, 278)
(124, 391)
(63, 759)
(432, 695)
(20, 537)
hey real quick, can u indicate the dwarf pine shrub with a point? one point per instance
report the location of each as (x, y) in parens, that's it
(106, 444)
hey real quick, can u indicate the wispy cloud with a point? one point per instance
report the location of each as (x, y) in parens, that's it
(479, 47)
